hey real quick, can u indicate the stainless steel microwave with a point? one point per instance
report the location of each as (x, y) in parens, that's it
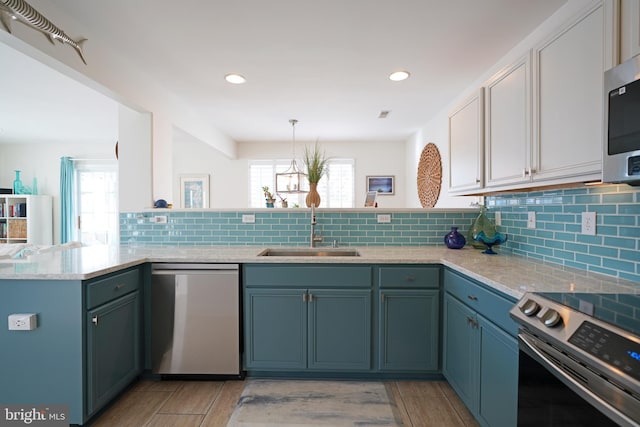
(621, 157)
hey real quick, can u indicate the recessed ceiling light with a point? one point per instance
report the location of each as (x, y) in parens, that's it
(236, 79)
(398, 76)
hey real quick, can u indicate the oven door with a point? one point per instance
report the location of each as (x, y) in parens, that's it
(552, 390)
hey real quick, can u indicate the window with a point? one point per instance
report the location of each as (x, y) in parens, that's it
(96, 184)
(336, 188)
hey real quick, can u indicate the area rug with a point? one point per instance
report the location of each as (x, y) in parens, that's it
(271, 403)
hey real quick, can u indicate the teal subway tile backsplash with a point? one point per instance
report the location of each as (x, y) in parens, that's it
(291, 227)
(613, 250)
(557, 238)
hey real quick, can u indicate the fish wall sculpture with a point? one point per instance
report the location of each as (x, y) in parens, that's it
(20, 10)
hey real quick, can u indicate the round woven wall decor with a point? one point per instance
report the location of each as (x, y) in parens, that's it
(429, 176)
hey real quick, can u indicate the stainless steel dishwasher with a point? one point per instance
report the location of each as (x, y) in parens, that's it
(195, 319)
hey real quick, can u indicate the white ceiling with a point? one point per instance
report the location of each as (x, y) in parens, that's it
(323, 62)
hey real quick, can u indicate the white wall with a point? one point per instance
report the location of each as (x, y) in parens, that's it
(42, 160)
(227, 178)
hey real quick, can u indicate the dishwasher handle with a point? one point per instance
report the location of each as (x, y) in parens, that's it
(173, 268)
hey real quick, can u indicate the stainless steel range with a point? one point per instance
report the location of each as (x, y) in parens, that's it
(576, 367)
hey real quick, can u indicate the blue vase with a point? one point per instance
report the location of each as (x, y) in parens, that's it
(454, 240)
(17, 184)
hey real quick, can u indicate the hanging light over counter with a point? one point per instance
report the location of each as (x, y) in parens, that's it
(292, 180)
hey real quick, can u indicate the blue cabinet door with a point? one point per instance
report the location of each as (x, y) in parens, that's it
(408, 330)
(339, 329)
(113, 349)
(460, 345)
(275, 328)
(498, 399)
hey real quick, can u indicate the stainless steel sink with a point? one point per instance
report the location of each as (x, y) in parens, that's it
(309, 252)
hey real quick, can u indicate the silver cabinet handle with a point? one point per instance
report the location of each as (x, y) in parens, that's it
(119, 286)
(382, 297)
(94, 320)
(472, 297)
(304, 297)
(411, 278)
(471, 321)
(310, 297)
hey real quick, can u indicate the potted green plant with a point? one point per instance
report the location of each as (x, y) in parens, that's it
(316, 163)
(268, 196)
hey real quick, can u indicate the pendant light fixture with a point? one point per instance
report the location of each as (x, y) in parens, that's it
(292, 180)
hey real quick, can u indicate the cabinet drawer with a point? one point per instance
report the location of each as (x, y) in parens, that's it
(104, 290)
(306, 275)
(486, 302)
(409, 277)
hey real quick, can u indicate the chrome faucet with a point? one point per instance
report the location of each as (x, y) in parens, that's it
(314, 238)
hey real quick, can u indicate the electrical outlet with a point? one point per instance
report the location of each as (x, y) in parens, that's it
(384, 219)
(498, 219)
(531, 219)
(248, 219)
(158, 219)
(22, 322)
(589, 223)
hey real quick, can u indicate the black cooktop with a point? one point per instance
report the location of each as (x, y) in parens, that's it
(621, 310)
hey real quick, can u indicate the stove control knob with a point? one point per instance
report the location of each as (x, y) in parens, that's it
(530, 308)
(551, 318)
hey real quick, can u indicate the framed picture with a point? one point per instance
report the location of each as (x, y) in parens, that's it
(370, 200)
(383, 185)
(194, 191)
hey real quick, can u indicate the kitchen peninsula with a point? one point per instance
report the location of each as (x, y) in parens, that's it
(63, 361)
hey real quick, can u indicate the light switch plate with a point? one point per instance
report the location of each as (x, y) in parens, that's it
(498, 218)
(248, 219)
(531, 219)
(589, 223)
(384, 219)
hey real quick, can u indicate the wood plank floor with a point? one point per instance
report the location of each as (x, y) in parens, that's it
(211, 403)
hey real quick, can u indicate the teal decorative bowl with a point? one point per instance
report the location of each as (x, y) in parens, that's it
(490, 241)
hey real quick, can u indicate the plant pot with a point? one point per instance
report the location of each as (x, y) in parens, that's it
(285, 204)
(270, 202)
(313, 197)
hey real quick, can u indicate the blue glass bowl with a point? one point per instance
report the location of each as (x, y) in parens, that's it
(496, 239)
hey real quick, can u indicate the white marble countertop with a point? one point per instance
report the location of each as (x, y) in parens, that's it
(510, 274)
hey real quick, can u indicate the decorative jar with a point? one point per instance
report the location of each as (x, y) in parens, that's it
(454, 240)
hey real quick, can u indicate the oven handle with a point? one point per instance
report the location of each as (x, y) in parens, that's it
(620, 418)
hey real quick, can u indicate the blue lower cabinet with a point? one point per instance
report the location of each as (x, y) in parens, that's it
(300, 329)
(460, 350)
(275, 328)
(480, 358)
(339, 329)
(87, 346)
(409, 330)
(498, 398)
(113, 349)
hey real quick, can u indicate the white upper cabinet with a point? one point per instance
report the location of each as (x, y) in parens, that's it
(568, 97)
(543, 121)
(508, 125)
(629, 29)
(466, 145)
